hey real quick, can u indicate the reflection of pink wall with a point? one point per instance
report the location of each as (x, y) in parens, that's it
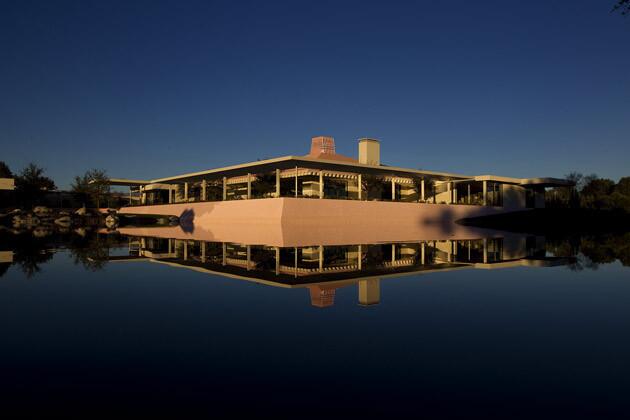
(301, 222)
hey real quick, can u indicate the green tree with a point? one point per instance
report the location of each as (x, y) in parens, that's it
(5, 172)
(31, 184)
(94, 184)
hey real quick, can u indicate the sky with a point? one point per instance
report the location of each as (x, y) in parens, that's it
(148, 89)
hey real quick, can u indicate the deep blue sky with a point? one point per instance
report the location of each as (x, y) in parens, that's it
(150, 89)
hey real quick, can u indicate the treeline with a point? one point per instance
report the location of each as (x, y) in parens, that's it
(33, 187)
(591, 192)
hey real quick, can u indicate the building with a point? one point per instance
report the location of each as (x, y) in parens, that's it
(355, 185)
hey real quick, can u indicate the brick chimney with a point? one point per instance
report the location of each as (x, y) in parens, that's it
(322, 145)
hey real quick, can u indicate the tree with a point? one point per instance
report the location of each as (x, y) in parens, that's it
(31, 184)
(623, 186)
(94, 184)
(623, 6)
(5, 172)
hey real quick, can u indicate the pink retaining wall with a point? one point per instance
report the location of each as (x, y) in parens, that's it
(302, 222)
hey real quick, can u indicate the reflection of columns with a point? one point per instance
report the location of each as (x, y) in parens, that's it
(277, 183)
(296, 182)
(203, 251)
(277, 261)
(321, 258)
(360, 259)
(321, 184)
(249, 255)
(224, 260)
(422, 245)
(360, 187)
(186, 191)
(469, 245)
(203, 190)
(369, 292)
(485, 249)
(422, 189)
(249, 186)
(485, 193)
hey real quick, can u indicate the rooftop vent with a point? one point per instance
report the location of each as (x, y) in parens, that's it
(369, 152)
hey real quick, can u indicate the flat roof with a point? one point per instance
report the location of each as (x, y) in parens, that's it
(343, 164)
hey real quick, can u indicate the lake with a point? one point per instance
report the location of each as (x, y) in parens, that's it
(158, 321)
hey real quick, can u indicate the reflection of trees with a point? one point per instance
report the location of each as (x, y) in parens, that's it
(30, 252)
(592, 250)
(4, 267)
(91, 251)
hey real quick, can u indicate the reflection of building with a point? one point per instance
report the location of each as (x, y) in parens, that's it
(324, 174)
(322, 269)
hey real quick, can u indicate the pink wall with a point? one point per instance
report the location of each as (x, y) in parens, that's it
(302, 222)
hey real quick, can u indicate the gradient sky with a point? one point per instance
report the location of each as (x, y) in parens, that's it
(151, 89)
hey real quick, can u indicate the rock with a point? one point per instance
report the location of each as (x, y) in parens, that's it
(81, 212)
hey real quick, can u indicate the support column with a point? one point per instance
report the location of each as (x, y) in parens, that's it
(186, 191)
(170, 195)
(204, 185)
(321, 184)
(249, 255)
(224, 259)
(277, 261)
(454, 192)
(450, 192)
(485, 193)
(170, 247)
(360, 187)
(143, 196)
(422, 190)
(360, 257)
(449, 254)
(296, 182)
(393, 254)
(185, 250)
(468, 198)
(485, 250)
(224, 189)
(296, 260)
(277, 183)
(369, 292)
(130, 195)
(393, 189)
(249, 186)
(203, 251)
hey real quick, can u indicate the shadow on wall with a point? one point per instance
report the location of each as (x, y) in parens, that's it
(186, 220)
(445, 222)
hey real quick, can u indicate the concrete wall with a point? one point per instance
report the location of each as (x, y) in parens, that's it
(7, 184)
(513, 197)
(303, 221)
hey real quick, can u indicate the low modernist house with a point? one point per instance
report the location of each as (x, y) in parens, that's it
(326, 175)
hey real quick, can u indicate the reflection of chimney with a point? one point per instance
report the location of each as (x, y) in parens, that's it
(369, 292)
(369, 152)
(322, 145)
(320, 297)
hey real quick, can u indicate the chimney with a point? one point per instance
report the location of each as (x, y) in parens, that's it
(322, 145)
(369, 152)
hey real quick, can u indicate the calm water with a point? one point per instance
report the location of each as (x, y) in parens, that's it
(101, 325)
